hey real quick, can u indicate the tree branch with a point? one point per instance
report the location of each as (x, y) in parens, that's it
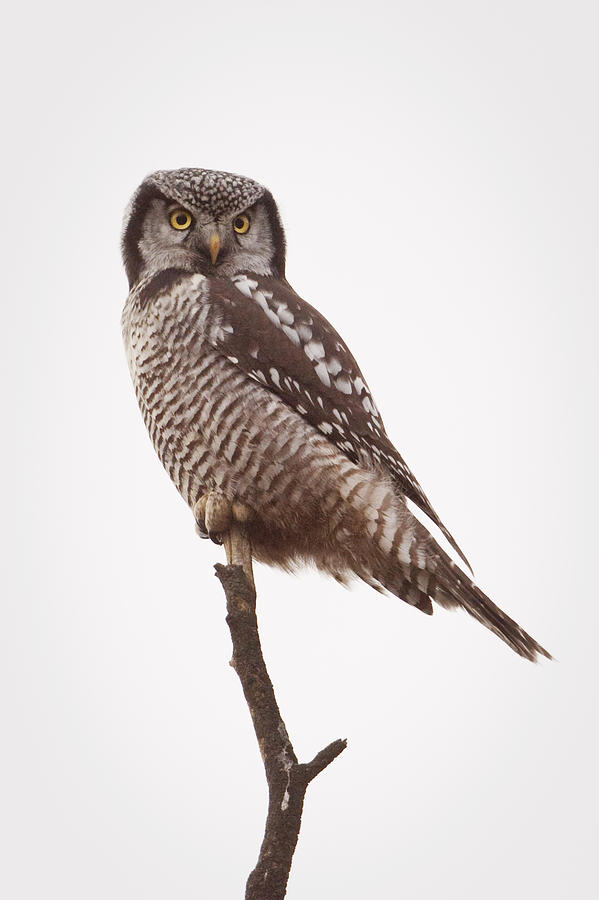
(287, 779)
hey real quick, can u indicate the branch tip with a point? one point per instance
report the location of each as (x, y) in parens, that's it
(324, 758)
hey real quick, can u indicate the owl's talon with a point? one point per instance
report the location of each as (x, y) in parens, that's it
(214, 513)
(201, 531)
(199, 512)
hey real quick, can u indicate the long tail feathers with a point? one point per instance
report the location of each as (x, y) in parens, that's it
(431, 575)
(460, 591)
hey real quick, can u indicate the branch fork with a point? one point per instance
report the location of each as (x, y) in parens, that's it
(287, 778)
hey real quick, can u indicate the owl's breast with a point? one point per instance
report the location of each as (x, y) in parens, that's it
(184, 387)
(216, 427)
(164, 312)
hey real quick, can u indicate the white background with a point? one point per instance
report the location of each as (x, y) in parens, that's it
(436, 168)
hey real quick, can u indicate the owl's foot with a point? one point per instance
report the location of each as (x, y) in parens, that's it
(214, 514)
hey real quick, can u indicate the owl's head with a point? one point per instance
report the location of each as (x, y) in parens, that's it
(209, 222)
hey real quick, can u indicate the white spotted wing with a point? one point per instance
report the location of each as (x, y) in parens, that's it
(260, 324)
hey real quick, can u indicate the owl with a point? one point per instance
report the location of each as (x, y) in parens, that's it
(258, 410)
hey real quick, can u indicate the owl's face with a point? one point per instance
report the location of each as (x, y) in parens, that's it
(209, 222)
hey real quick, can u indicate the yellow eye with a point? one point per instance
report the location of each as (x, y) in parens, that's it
(241, 224)
(180, 219)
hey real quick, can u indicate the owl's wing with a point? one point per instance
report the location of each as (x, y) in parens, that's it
(282, 342)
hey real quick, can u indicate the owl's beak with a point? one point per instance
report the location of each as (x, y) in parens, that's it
(214, 247)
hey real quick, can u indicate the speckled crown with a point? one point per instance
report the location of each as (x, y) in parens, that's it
(208, 192)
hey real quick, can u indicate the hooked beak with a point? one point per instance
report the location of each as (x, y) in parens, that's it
(214, 247)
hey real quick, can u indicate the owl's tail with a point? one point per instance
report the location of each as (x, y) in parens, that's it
(418, 570)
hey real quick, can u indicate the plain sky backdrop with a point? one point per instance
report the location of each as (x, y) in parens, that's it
(436, 166)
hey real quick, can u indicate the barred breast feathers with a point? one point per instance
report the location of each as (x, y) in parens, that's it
(277, 339)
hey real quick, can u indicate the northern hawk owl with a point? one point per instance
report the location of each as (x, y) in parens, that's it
(258, 410)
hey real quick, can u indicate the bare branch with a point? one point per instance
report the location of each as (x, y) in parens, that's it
(287, 779)
(323, 759)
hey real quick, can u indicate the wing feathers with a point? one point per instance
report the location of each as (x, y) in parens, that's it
(284, 343)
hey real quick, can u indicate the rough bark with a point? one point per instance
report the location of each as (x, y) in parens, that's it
(287, 778)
